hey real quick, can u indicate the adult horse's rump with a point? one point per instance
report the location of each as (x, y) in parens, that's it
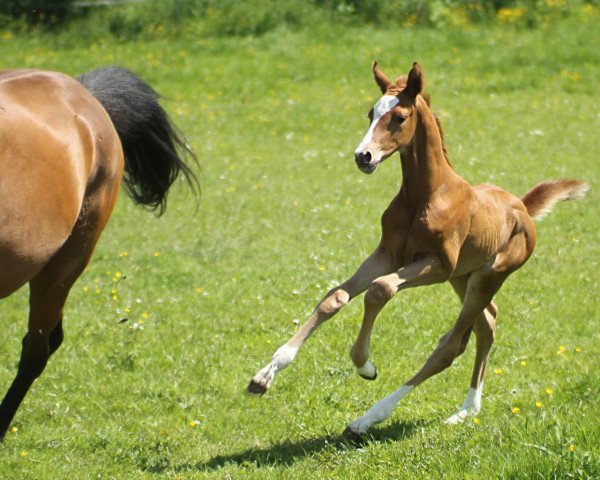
(64, 148)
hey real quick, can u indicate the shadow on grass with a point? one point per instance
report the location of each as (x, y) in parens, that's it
(286, 453)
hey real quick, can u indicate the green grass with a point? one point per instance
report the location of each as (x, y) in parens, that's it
(284, 215)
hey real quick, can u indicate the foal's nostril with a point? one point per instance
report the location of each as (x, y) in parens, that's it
(362, 158)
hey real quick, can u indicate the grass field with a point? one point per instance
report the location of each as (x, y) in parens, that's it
(284, 215)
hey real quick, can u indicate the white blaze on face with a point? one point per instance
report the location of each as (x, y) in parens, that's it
(383, 106)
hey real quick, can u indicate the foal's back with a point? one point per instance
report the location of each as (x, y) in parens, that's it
(55, 140)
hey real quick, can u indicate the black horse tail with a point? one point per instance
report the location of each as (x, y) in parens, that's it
(152, 146)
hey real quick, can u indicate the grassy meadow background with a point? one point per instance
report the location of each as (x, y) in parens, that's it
(210, 293)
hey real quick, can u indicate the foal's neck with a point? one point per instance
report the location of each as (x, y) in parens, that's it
(425, 167)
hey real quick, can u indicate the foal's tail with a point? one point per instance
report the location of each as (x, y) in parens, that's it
(152, 146)
(540, 200)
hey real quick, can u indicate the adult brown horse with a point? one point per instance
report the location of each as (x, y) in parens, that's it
(438, 228)
(64, 148)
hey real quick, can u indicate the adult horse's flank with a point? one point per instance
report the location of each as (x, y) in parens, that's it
(64, 146)
(438, 228)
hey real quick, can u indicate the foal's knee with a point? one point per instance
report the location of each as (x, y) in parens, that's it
(379, 293)
(334, 301)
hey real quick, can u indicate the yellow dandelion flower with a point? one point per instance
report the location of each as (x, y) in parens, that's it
(549, 391)
(198, 289)
(98, 290)
(322, 268)
(157, 254)
(476, 420)
(123, 254)
(571, 448)
(145, 315)
(524, 363)
(86, 288)
(14, 429)
(127, 310)
(578, 349)
(194, 423)
(24, 453)
(561, 349)
(498, 371)
(515, 410)
(539, 404)
(115, 297)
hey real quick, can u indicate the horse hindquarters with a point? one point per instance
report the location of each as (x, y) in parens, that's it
(50, 286)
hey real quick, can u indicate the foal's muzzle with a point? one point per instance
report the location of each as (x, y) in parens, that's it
(363, 161)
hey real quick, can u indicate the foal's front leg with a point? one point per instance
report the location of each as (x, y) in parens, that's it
(422, 272)
(377, 264)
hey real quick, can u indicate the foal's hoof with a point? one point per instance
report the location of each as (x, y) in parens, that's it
(367, 377)
(256, 388)
(353, 436)
(368, 371)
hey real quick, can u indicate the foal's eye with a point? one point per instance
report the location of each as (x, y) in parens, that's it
(400, 119)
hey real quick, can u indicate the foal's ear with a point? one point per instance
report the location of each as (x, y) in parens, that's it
(414, 84)
(381, 80)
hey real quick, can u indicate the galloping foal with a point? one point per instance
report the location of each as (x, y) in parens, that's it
(438, 228)
(64, 146)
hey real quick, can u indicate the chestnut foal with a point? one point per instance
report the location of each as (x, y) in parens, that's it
(438, 228)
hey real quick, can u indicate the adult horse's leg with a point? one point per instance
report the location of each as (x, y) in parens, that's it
(44, 336)
(422, 272)
(481, 288)
(377, 264)
(49, 289)
(485, 331)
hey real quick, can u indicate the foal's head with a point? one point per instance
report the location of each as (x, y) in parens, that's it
(393, 118)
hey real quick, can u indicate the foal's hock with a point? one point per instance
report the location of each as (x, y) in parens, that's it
(438, 228)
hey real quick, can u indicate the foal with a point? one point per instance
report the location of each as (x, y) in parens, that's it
(437, 229)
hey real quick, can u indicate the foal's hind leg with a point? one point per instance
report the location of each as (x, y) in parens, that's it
(481, 289)
(485, 330)
(378, 263)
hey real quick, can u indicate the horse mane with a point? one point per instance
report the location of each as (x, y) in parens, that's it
(438, 122)
(401, 85)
